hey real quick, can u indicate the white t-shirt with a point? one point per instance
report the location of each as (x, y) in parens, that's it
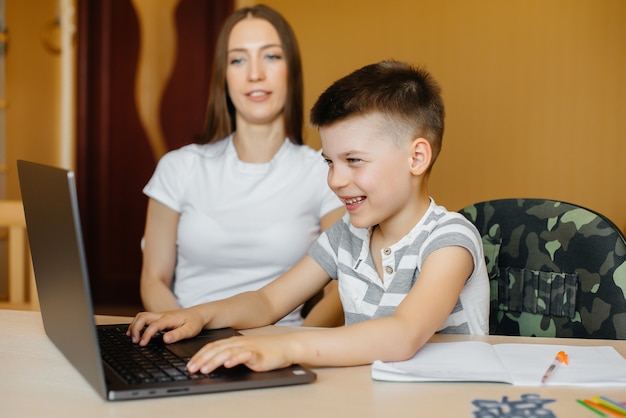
(241, 224)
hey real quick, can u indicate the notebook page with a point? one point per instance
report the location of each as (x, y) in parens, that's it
(588, 365)
(466, 361)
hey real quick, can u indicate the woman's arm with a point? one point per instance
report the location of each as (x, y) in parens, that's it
(328, 311)
(159, 258)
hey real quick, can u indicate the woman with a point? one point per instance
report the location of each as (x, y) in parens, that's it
(239, 207)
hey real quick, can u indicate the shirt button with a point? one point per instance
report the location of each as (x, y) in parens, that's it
(388, 270)
(387, 251)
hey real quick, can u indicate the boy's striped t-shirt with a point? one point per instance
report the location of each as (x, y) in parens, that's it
(343, 252)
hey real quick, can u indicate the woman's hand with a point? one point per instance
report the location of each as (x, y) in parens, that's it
(179, 324)
(258, 353)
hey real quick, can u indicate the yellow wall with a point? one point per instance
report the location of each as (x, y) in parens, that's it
(32, 86)
(535, 90)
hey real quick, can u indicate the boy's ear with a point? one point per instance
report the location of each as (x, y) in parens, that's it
(421, 156)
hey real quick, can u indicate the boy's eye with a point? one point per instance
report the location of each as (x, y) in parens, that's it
(353, 160)
(327, 161)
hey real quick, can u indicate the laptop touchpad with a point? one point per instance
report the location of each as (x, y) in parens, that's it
(187, 348)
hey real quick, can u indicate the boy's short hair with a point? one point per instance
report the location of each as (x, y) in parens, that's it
(402, 93)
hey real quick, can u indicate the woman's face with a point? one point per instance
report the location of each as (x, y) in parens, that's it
(256, 72)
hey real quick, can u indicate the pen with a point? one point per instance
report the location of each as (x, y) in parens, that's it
(560, 357)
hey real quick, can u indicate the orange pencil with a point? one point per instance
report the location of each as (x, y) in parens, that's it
(604, 409)
(611, 404)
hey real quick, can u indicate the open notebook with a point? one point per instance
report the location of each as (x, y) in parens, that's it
(516, 364)
(103, 354)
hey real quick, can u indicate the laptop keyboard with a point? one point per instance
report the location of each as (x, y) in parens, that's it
(153, 363)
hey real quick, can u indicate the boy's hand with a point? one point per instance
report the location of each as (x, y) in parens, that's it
(258, 353)
(181, 323)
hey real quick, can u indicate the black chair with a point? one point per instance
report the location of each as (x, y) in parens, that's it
(556, 269)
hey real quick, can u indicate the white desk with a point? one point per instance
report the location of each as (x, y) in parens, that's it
(37, 381)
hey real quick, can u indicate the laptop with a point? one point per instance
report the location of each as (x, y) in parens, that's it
(54, 233)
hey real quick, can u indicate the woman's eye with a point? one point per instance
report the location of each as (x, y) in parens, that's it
(354, 160)
(235, 61)
(273, 57)
(327, 161)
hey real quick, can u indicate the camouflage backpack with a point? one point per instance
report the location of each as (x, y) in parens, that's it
(555, 269)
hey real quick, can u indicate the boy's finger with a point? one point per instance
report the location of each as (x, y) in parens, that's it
(135, 327)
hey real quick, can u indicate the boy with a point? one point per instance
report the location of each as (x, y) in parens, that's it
(406, 267)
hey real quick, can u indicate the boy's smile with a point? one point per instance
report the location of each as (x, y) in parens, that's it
(352, 202)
